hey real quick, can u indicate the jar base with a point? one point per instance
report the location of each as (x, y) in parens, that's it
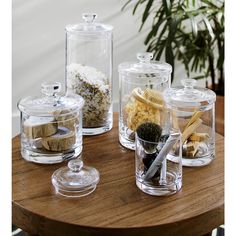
(193, 162)
(126, 143)
(46, 158)
(161, 190)
(96, 131)
(75, 194)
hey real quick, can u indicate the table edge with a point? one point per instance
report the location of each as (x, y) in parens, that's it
(38, 218)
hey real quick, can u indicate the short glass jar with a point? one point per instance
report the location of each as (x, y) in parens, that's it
(51, 126)
(89, 71)
(141, 85)
(193, 113)
(155, 173)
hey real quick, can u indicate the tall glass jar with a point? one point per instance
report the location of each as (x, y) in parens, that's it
(141, 85)
(89, 71)
(193, 112)
(51, 125)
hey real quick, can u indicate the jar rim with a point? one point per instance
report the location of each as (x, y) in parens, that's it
(153, 67)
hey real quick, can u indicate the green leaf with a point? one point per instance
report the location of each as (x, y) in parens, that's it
(127, 3)
(166, 4)
(208, 25)
(220, 61)
(209, 3)
(181, 54)
(137, 4)
(159, 50)
(155, 27)
(146, 13)
(169, 34)
(199, 77)
(194, 26)
(164, 30)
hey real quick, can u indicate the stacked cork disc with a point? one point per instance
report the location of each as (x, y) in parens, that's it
(56, 134)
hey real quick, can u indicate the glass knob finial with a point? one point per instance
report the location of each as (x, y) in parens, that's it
(188, 83)
(75, 165)
(89, 17)
(50, 88)
(145, 57)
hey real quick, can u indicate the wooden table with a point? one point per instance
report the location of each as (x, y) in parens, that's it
(117, 206)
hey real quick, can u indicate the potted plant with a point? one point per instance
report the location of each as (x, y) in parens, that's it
(189, 31)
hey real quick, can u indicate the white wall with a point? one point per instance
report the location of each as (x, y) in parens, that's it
(38, 41)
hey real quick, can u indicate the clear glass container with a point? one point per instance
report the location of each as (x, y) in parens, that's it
(140, 85)
(193, 112)
(75, 179)
(89, 71)
(155, 173)
(51, 125)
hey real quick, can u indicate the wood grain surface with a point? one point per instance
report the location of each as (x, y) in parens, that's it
(117, 206)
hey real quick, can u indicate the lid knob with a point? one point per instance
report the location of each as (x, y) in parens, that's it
(145, 57)
(188, 83)
(89, 17)
(51, 88)
(75, 165)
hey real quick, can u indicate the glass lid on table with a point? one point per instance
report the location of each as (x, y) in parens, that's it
(193, 112)
(51, 125)
(75, 179)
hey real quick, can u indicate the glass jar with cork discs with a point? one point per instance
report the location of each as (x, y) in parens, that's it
(51, 125)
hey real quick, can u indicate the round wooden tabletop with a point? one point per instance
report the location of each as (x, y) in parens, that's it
(117, 206)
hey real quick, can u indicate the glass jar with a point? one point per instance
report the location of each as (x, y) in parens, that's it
(155, 173)
(193, 112)
(141, 86)
(89, 71)
(51, 126)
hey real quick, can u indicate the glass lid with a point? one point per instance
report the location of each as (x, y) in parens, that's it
(189, 95)
(145, 66)
(75, 180)
(89, 26)
(50, 101)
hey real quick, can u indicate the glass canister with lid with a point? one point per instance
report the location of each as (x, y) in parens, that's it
(141, 85)
(193, 112)
(51, 125)
(89, 71)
